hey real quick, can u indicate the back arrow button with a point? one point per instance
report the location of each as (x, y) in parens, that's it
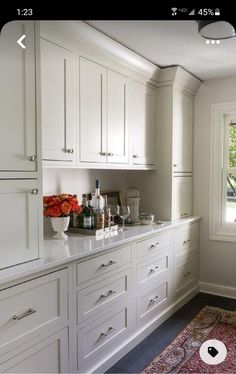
(19, 41)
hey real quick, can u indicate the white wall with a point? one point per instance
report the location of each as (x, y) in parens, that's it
(217, 259)
(79, 181)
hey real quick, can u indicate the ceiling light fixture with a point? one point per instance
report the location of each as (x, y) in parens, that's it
(216, 30)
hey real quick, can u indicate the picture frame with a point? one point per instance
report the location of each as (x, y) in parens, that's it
(114, 197)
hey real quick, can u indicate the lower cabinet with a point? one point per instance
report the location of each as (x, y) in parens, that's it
(49, 355)
(86, 316)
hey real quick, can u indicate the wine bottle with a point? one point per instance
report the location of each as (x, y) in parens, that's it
(107, 213)
(91, 210)
(87, 217)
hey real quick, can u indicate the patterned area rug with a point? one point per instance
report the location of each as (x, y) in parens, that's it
(182, 355)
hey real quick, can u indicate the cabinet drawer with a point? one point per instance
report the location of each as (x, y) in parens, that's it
(186, 240)
(150, 301)
(99, 297)
(150, 271)
(102, 264)
(102, 337)
(152, 246)
(186, 274)
(32, 307)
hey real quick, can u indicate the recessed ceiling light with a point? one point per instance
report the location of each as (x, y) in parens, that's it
(207, 41)
(218, 42)
(212, 41)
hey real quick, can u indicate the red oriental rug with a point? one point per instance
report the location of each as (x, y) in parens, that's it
(182, 355)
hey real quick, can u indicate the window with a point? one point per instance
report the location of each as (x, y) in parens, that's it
(223, 173)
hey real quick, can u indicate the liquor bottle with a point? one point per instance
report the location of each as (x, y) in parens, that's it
(97, 196)
(98, 216)
(91, 210)
(107, 213)
(81, 215)
(87, 216)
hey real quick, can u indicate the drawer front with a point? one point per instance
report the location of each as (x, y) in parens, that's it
(102, 264)
(186, 240)
(32, 308)
(153, 246)
(96, 298)
(186, 274)
(150, 271)
(102, 337)
(151, 301)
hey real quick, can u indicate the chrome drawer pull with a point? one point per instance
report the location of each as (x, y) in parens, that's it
(155, 245)
(103, 153)
(110, 154)
(108, 264)
(152, 301)
(186, 274)
(152, 270)
(23, 315)
(109, 293)
(109, 331)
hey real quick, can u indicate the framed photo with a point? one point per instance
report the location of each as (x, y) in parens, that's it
(114, 198)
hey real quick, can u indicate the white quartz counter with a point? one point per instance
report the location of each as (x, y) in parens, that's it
(61, 252)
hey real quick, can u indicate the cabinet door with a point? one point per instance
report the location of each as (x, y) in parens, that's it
(182, 197)
(118, 120)
(48, 356)
(19, 221)
(144, 141)
(56, 102)
(17, 98)
(182, 133)
(93, 91)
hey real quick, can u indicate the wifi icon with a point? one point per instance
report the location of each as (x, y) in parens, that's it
(174, 11)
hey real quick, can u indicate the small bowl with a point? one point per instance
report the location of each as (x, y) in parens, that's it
(146, 218)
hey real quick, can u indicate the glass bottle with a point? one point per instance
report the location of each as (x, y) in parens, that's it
(107, 213)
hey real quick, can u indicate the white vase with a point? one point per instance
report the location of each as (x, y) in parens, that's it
(60, 224)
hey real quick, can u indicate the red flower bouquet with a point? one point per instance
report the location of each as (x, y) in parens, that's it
(60, 205)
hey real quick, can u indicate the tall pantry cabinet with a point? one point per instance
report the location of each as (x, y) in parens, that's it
(20, 160)
(175, 101)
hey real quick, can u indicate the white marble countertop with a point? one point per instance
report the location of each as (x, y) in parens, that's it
(61, 252)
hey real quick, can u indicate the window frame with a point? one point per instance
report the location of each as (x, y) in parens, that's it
(219, 229)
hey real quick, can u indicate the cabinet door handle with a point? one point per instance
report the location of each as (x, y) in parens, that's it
(23, 315)
(154, 300)
(186, 241)
(109, 331)
(187, 274)
(103, 153)
(110, 154)
(34, 191)
(68, 150)
(111, 262)
(32, 158)
(175, 165)
(109, 293)
(154, 245)
(152, 270)
(135, 156)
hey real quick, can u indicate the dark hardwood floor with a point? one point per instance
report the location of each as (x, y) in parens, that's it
(139, 357)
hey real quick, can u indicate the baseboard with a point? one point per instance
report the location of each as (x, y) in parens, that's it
(217, 289)
(143, 332)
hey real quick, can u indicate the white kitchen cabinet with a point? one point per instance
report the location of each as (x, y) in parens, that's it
(118, 118)
(18, 151)
(144, 126)
(57, 97)
(19, 235)
(104, 114)
(182, 133)
(47, 356)
(182, 197)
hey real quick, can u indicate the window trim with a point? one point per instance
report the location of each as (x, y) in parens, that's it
(218, 229)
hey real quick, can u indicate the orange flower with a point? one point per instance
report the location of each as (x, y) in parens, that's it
(60, 205)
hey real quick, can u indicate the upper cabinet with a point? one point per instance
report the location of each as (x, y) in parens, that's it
(182, 133)
(144, 129)
(57, 97)
(104, 114)
(18, 151)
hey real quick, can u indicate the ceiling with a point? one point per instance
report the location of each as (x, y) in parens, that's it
(167, 43)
